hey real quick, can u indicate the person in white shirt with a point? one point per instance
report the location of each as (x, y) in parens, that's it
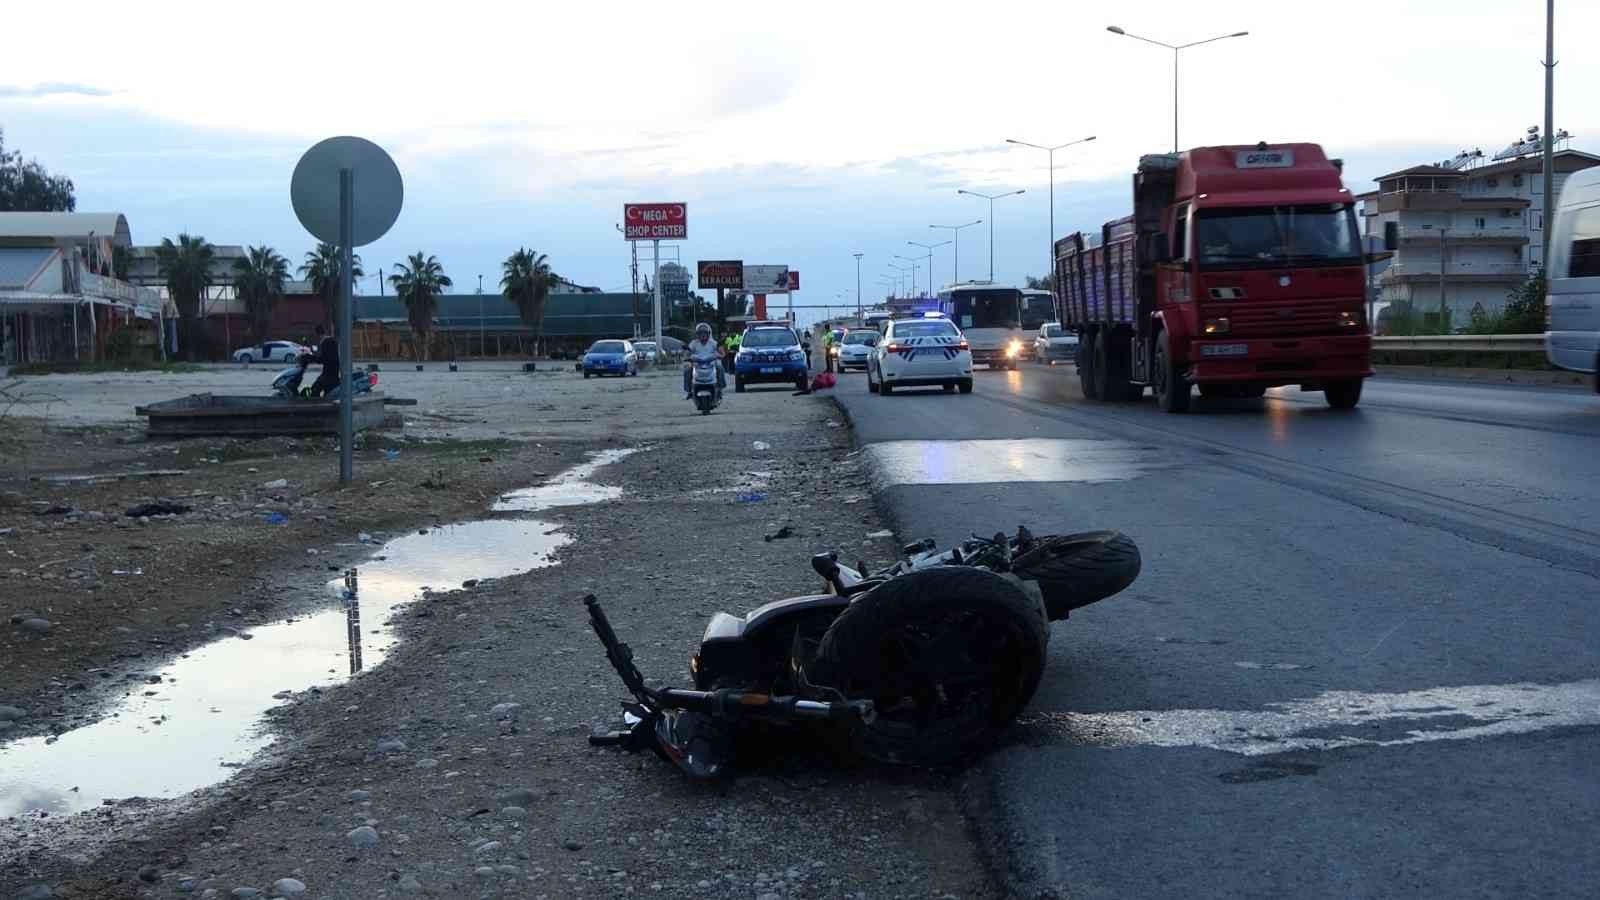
(702, 347)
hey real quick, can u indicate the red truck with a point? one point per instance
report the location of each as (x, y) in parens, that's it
(1240, 269)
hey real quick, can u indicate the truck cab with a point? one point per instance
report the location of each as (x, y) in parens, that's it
(1241, 269)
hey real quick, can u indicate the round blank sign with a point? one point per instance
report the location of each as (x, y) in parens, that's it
(314, 189)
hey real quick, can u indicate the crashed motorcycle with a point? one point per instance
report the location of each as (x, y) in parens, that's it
(921, 663)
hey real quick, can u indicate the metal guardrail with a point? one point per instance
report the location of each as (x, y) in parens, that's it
(1477, 343)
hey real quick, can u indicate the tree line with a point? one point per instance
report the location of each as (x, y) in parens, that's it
(260, 276)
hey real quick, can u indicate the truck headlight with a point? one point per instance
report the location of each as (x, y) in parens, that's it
(1349, 319)
(1014, 348)
(1218, 326)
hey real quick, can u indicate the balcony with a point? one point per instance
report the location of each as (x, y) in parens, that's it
(1493, 236)
(142, 298)
(1468, 273)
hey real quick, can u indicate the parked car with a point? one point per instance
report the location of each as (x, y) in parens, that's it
(857, 346)
(770, 352)
(270, 351)
(1054, 344)
(926, 351)
(647, 352)
(610, 357)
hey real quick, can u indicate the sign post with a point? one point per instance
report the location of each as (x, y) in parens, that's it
(655, 222)
(336, 208)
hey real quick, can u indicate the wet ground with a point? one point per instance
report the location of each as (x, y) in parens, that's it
(1359, 660)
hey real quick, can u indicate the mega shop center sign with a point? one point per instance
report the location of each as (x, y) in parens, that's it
(655, 221)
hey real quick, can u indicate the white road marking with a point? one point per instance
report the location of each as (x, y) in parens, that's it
(1458, 713)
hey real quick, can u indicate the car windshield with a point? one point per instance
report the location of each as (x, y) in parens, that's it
(609, 347)
(870, 338)
(1276, 235)
(931, 328)
(1051, 331)
(769, 337)
(644, 345)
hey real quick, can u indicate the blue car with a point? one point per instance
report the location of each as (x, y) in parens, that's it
(770, 353)
(610, 358)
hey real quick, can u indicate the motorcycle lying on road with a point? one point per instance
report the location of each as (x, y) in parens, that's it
(287, 383)
(922, 663)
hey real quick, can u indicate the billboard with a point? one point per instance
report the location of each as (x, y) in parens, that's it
(794, 279)
(655, 221)
(766, 279)
(721, 273)
(674, 284)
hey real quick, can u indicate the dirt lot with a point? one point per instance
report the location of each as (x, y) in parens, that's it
(464, 796)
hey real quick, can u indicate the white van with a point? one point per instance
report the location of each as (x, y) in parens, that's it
(1573, 339)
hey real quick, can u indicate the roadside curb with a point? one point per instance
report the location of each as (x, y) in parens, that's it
(1524, 377)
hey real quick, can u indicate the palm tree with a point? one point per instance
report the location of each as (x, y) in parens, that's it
(258, 278)
(186, 268)
(526, 281)
(321, 268)
(418, 284)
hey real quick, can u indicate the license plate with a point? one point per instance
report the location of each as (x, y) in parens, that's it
(771, 370)
(1224, 349)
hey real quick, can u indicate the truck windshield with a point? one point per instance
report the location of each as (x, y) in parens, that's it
(1276, 236)
(998, 308)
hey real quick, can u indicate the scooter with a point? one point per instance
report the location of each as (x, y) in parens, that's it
(703, 385)
(287, 384)
(923, 663)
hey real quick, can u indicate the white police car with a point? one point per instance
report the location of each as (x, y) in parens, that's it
(920, 352)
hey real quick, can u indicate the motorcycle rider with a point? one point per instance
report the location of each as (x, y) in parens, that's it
(327, 354)
(702, 347)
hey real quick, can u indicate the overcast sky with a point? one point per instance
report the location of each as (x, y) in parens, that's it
(797, 134)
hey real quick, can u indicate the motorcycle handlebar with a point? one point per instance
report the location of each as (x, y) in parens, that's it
(620, 655)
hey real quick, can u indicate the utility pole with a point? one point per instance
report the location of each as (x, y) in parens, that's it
(1549, 131)
(1174, 48)
(858, 283)
(929, 248)
(1050, 255)
(991, 198)
(655, 302)
(955, 254)
(481, 342)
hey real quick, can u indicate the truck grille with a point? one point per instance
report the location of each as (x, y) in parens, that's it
(1299, 318)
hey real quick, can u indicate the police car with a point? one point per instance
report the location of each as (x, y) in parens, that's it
(770, 352)
(920, 352)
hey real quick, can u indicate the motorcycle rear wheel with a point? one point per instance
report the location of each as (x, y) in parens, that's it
(949, 655)
(1075, 570)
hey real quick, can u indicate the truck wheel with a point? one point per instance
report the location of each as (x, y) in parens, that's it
(1343, 394)
(1088, 370)
(1253, 391)
(950, 654)
(1172, 389)
(965, 386)
(1109, 368)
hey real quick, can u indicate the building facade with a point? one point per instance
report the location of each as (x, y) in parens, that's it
(1470, 233)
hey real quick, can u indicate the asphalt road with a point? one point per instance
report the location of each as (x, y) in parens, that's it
(1361, 659)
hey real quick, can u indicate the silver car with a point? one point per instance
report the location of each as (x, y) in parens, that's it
(855, 348)
(1054, 344)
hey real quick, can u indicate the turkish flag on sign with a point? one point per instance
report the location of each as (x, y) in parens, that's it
(761, 306)
(794, 279)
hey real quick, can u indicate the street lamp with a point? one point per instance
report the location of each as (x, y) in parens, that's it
(1050, 257)
(889, 284)
(1174, 48)
(858, 283)
(901, 273)
(915, 265)
(991, 198)
(955, 231)
(929, 248)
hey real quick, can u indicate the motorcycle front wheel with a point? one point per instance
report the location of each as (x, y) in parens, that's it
(949, 655)
(1075, 570)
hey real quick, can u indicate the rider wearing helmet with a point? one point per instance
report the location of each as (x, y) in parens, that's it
(701, 347)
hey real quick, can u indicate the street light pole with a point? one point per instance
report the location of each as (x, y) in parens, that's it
(929, 248)
(1050, 256)
(858, 283)
(915, 265)
(1549, 131)
(1175, 48)
(991, 198)
(955, 231)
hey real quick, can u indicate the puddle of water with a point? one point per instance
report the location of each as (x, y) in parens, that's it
(1338, 719)
(570, 488)
(199, 724)
(1025, 459)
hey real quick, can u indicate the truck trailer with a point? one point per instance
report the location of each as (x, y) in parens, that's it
(1240, 269)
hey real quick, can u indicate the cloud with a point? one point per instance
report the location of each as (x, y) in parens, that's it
(52, 89)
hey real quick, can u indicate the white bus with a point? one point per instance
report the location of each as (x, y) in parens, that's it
(990, 316)
(1572, 340)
